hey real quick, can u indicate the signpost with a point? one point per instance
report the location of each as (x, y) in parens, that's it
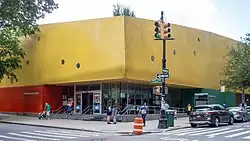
(156, 81)
(162, 32)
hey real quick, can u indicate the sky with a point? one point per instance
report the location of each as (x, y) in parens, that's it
(225, 17)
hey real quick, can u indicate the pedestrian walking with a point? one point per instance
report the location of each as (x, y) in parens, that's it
(189, 108)
(68, 109)
(143, 111)
(114, 113)
(175, 113)
(109, 112)
(47, 110)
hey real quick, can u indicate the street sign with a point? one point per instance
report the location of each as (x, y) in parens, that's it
(158, 90)
(156, 80)
(162, 76)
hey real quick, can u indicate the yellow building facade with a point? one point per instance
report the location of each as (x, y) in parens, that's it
(120, 50)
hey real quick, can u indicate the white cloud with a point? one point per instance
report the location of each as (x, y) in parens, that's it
(194, 13)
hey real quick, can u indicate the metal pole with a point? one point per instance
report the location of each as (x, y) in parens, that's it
(163, 65)
(163, 68)
(163, 120)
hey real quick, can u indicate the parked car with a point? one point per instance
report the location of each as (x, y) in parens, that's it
(240, 114)
(248, 108)
(212, 115)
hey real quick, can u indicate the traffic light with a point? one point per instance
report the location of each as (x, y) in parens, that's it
(167, 31)
(157, 30)
(157, 90)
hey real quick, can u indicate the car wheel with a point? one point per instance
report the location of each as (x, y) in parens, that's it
(194, 125)
(216, 122)
(231, 121)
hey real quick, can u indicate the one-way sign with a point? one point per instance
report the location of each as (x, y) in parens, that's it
(162, 76)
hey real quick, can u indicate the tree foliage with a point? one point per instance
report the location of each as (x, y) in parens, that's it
(18, 18)
(237, 69)
(121, 10)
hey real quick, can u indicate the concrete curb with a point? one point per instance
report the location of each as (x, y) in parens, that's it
(49, 126)
(94, 131)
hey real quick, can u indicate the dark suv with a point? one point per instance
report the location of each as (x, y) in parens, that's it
(212, 115)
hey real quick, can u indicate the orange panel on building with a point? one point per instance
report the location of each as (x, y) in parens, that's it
(29, 99)
(53, 96)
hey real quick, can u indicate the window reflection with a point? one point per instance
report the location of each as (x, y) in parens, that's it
(131, 94)
(106, 95)
(138, 95)
(123, 94)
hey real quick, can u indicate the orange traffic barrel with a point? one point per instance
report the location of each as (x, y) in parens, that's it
(138, 126)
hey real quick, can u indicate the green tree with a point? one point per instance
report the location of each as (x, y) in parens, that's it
(121, 10)
(18, 18)
(236, 73)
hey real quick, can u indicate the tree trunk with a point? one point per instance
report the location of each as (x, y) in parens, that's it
(243, 96)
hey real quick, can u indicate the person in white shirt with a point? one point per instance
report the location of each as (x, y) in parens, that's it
(143, 111)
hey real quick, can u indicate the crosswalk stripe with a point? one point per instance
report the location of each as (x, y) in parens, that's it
(196, 131)
(65, 134)
(213, 131)
(182, 131)
(14, 138)
(225, 132)
(53, 136)
(65, 131)
(35, 137)
(237, 134)
(248, 137)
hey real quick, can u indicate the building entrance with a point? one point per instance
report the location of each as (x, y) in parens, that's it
(88, 102)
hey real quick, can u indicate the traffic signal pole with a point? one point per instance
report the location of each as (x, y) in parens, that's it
(165, 35)
(163, 66)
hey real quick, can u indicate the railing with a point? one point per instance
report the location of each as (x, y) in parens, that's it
(179, 110)
(58, 110)
(84, 110)
(87, 110)
(134, 109)
(125, 110)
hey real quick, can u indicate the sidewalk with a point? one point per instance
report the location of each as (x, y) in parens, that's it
(91, 126)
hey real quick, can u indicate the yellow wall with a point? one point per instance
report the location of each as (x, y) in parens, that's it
(200, 70)
(98, 45)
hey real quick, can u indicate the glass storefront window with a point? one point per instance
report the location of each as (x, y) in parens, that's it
(145, 94)
(105, 96)
(115, 94)
(131, 94)
(124, 95)
(138, 95)
(88, 87)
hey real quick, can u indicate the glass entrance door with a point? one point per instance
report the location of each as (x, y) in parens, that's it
(97, 103)
(78, 103)
(88, 102)
(87, 98)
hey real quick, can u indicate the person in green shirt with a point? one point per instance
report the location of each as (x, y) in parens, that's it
(47, 110)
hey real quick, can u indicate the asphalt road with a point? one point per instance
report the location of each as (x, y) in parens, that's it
(236, 132)
(12, 132)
